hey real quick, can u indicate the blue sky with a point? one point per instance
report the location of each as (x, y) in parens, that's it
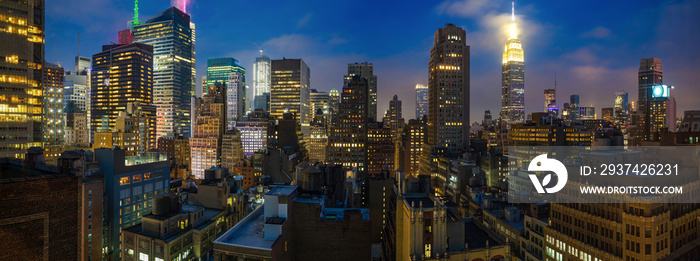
(594, 47)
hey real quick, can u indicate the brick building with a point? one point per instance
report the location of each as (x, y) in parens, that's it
(41, 206)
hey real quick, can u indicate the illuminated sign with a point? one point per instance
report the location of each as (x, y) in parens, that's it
(659, 91)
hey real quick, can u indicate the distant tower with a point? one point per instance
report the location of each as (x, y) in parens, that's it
(621, 111)
(513, 78)
(366, 70)
(421, 101)
(651, 74)
(396, 121)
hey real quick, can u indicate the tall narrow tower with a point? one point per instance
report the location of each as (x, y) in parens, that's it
(513, 78)
(652, 106)
(448, 93)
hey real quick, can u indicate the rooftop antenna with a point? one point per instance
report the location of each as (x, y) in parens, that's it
(78, 44)
(512, 19)
(259, 47)
(136, 21)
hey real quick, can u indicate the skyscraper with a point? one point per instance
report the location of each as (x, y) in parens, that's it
(21, 75)
(291, 80)
(319, 100)
(333, 103)
(170, 34)
(366, 70)
(607, 114)
(513, 78)
(448, 87)
(228, 72)
(235, 98)
(574, 112)
(121, 74)
(650, 75)
(396, 121)
(53, 104)
(347, 142)
(421, 101)
(219, 70)
(261, 82)
(622, 110)
(550, 100)
(76, 85)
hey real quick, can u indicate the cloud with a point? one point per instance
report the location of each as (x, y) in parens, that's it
(291, 44)
(466, 8)
(493, 21)
(597, 33)
(304, 21)
(583, 55)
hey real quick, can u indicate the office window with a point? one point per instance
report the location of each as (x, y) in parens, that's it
(124, 181)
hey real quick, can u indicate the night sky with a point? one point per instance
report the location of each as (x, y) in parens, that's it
(594, 47)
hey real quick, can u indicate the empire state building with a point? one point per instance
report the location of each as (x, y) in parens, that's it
(513, 78)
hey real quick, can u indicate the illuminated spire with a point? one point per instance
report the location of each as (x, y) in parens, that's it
(136, 21)
(513, 34)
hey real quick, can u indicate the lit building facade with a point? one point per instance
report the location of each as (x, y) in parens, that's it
(120, 74)
(365, 70)
(77, 93)
(317, 143)
(235, 99)
(586, 113)
(177, 148)
(347, 140)
(319, 100)
(448, 87)
(53, 123)
(396, 121)
(653, 107)
(513, 78)
(170, 35)
(622, 109)
(380, 149)
(130, 184)
(550, 102)
(253, 136)
(607, 114)
(261, 82)
(232, 149)
(210, 126)
(227, 71)
(21, 76)
(333, 106)
(421, 101)
(289, 92)
(410, 147)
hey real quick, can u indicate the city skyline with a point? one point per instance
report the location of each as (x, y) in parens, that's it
(603, 54)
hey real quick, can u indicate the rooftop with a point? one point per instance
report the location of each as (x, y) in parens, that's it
(248, 233)
(282, 190)
(476, 238)
(13, 170)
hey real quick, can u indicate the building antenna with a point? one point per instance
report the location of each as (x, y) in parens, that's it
(78, 44)
(136, 21)
(259, 47)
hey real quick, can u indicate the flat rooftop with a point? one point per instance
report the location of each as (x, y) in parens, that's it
(282, 190)
(248, 233)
